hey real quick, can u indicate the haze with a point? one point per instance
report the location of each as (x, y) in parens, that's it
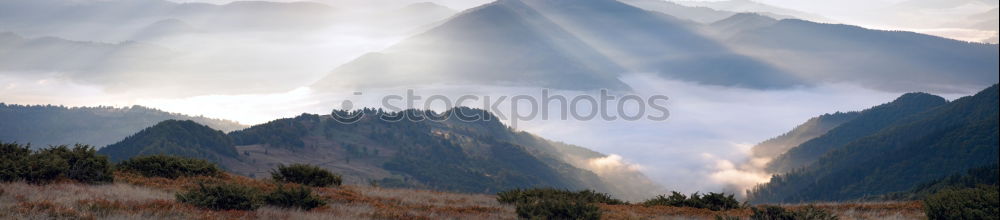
(216, 61)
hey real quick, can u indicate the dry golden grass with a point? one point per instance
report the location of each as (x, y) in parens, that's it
(133, 197)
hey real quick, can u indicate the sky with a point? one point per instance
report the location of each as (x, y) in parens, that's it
(934, 17)
(709, 132)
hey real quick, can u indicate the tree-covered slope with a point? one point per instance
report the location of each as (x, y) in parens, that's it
(986, 175)
(945, 140)
(44, 125)
(480, 155)
(173, 137)
(865, 123)
(453, 154)
(812, 128)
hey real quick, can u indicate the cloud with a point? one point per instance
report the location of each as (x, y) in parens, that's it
(611, 164)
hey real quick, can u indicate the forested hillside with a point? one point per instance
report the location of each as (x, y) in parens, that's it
(452, 155)
(945, 140)
(812, 128)
(44, 125)
(172, 137)
(866, 123)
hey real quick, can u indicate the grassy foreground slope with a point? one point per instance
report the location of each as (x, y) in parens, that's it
(134, 196)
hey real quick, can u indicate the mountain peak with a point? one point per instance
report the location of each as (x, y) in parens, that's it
(919, 97)
(175, 137)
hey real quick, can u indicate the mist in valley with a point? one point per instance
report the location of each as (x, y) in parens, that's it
(729, 86)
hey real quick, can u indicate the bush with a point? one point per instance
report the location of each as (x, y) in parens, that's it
(306, 175)
(80, 163)
(297, 197)
(769, 212)
(547, 203)
(971, 203)
(557, 209)
(168, 166)
(585, 196)
(226, 196)
(12, 159)
(713, 201)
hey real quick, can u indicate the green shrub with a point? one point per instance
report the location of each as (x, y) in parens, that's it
(971, 203)
(226, 196)
(44, 168)
(585, 196)
(168, 166)
(557, 209)
(12, 159)
(306, 175)
(713, 201)
(812, 213)
(769, 212)
(84, 164)
(296, 197)
(80, 163)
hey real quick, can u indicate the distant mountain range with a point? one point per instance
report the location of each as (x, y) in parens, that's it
(44, 125)
(482, 156)
(904, 147)
(748, 6)
(557, 44)
(589, 44)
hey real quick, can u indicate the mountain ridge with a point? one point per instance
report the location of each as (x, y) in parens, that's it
(942, 141)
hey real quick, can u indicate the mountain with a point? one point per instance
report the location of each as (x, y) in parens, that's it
(812, 128)
(748, 6)
(173, 137)
(986, 175)
(740, 22)
(546, 42)
(594, 42)
(116, 20)
(44, 55)
(885, 60)
(864, 124)
(481, 156)
(945, 140)
(504, 41)
(703, 15)
(47, 125)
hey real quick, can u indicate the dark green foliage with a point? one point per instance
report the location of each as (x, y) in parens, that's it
(84, 164)
(557, 209)
(45, 125)
(770, 212)
(44, 168)
(296, 197)
(987, 175)
(282, 133)
(865, 123)
(713, 201)
(225, 196)
(974, 203)
(949, 139)
(168, 166)
(726, 217)
(80, 163)
(548, 203)
(12, 159)
(526, 196)
(306, 175)
(179, 138)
